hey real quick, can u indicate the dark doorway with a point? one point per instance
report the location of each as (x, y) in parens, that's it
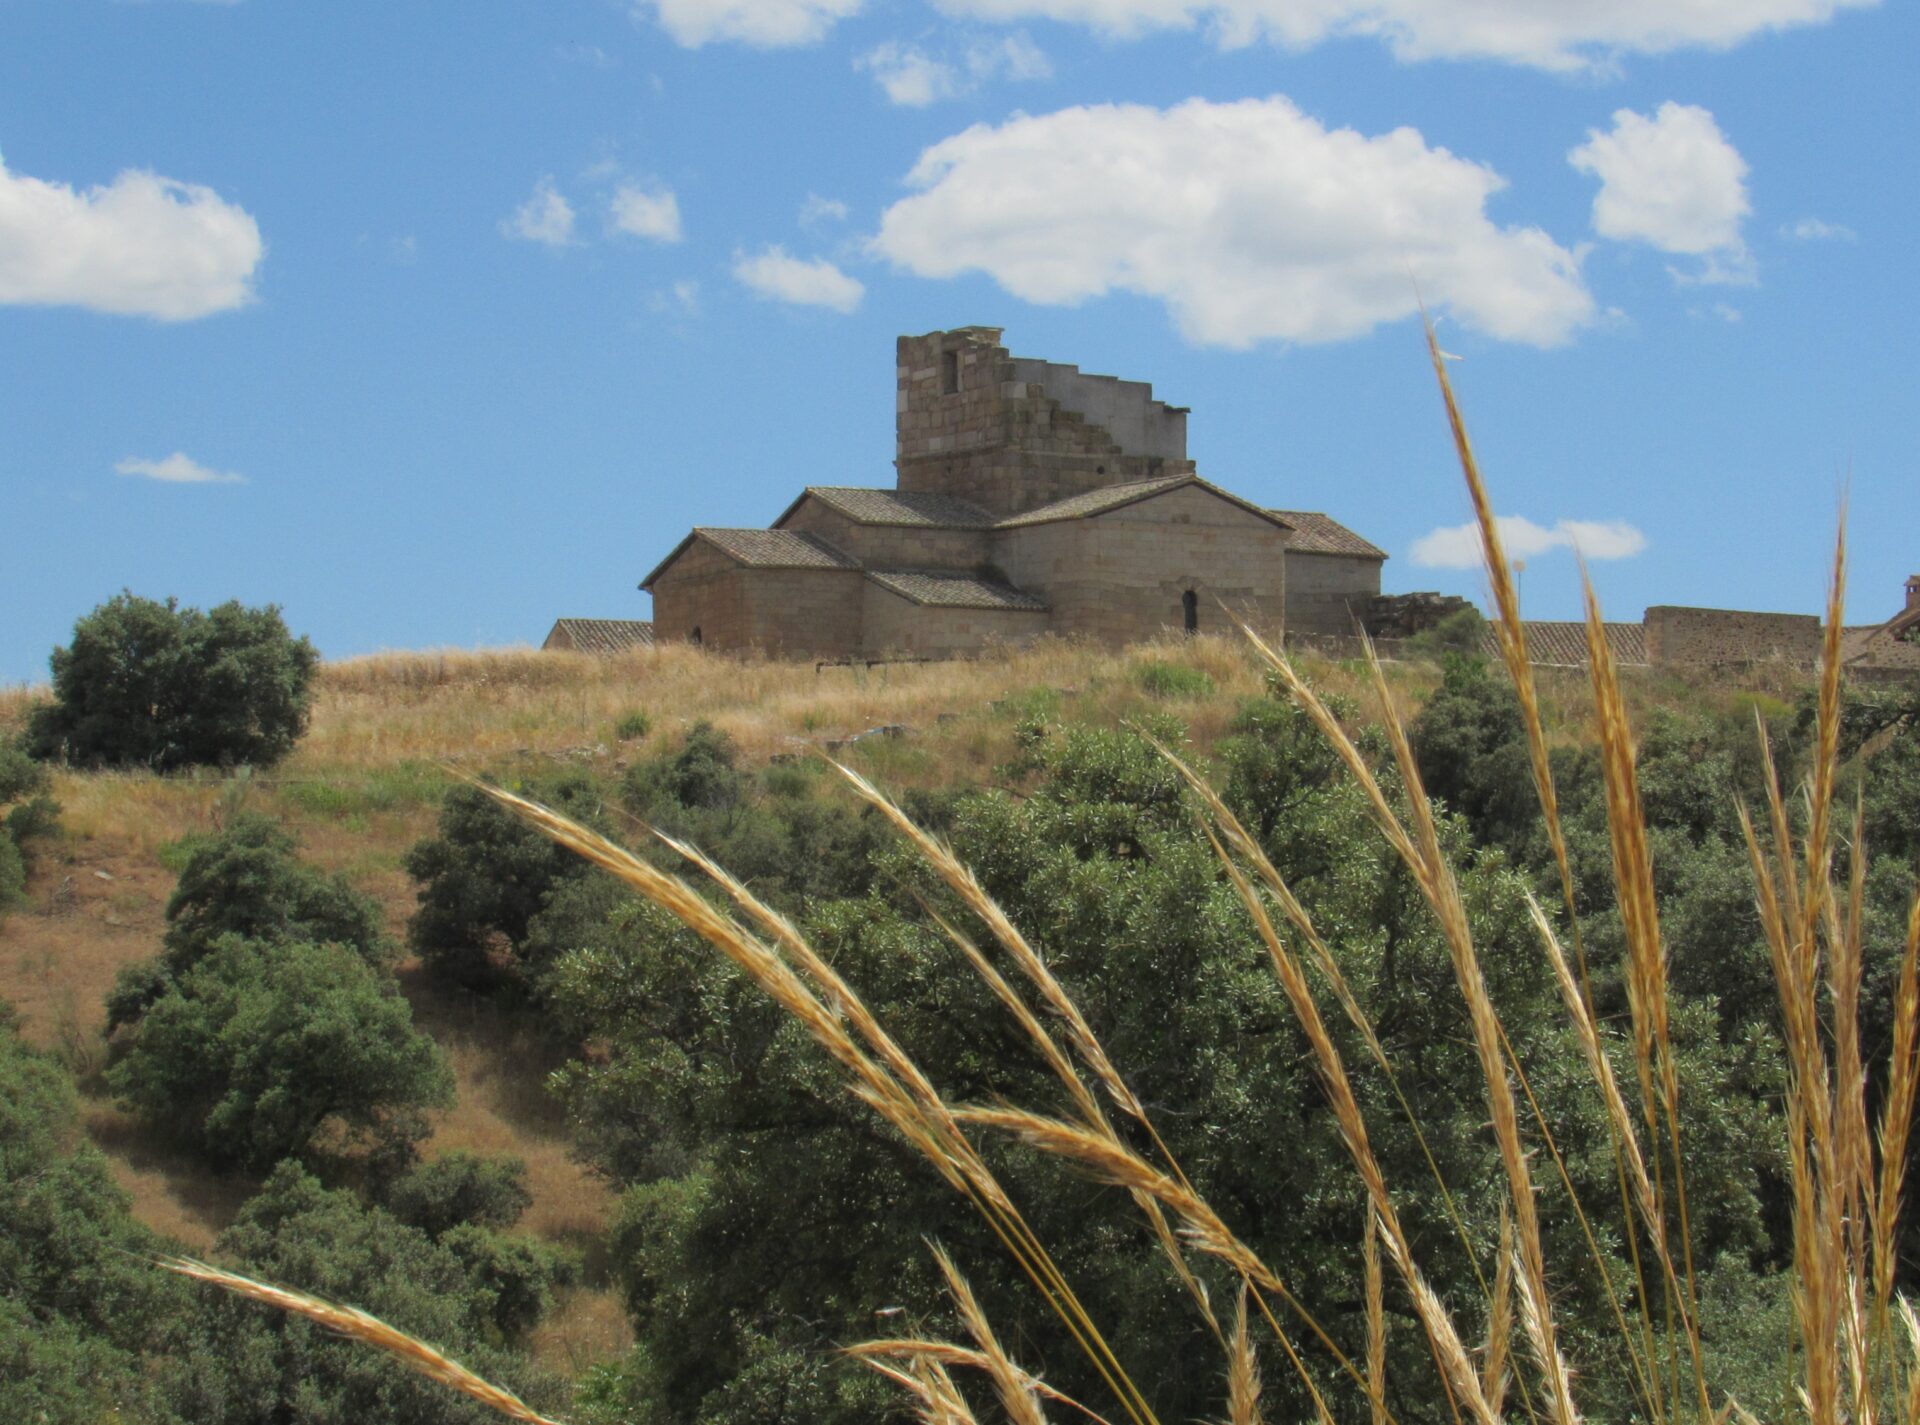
(1190, 610)
(694, 637)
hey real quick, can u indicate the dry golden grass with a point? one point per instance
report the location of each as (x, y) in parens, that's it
(357, 1325)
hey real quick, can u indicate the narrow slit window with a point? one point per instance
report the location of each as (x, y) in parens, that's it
(950, 373)
(1190, 610)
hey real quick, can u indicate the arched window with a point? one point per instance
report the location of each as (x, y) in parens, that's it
(694, 637)
(1190, 610)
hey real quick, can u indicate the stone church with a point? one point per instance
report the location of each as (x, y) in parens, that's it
(1030, 498)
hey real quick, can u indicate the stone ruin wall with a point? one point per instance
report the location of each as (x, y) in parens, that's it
(1720, 638)
(1002, 441)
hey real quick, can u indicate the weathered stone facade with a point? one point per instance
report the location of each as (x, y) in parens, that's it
(1031, 498)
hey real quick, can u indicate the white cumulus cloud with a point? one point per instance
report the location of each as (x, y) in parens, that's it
(1458, 546)
(1546, 34)
(764, 24)
(1249, 220)
(1815, 230)
(1674, 182)
(141, 245)
(909, 75)
(648, 213)
(546, 217)
(914, 78)
(817, 210)
(816, 283)
(177, 469)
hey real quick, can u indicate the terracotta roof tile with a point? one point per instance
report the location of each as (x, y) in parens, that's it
(603, 635)
(944, 589)
(865, 505)
(1094, 502)
(1314, 533)
(775, 548)
(1564, 644)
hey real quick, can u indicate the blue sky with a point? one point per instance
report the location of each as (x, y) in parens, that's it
(433, 323)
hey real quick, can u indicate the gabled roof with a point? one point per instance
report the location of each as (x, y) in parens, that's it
(1113, 497)
(761, 549)
(603, 635)
(943, 589)
(1558, 644)
(868, 505)
(1314, 533)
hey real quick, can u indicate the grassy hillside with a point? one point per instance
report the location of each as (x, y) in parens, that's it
(365, 783)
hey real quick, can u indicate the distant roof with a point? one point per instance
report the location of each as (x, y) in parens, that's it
(1113, 497)
(942, 589)
(1314, 533)
(761, 549)
(1882, 645)
(602, 635)
(1564, 644)
(867, 505)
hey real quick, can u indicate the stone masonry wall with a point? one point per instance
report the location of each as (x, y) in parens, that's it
(1121, 576)
(804, 613)
(1329, 593)
(891, 546)
(701, 589)
(994, 439)
(1707, 638)
(796, 613)
(893, 627)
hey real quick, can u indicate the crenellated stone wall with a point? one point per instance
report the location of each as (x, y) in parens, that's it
(967, 424)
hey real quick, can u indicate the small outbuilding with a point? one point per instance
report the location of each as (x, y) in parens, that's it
(600, 636)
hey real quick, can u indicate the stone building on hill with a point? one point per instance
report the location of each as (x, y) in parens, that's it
(1030, 498)
(602, 637)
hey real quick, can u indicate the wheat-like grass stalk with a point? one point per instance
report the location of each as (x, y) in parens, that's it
(947, 1353)
(1377, 1323)
(1017, 1397)
(1493, 1358)
(1243, 1372)
(916, 1112)
(369, 1330)
(961, 880)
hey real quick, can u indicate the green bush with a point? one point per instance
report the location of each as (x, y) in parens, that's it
(460, 1187)
(701, 775)
(1462, 631)
(246, 881)
(78, 1303)
(484, 877)
(30, 815)
(255, 1048)
(146, 684)
(632, 726)
(237, 1364)
(1174, 680)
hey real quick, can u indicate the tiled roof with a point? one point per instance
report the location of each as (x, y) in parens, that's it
(603, 635)
(1314, 533)
(1564, 645)
(1112, 497)
(945, 590)
(864, 505)
(776, 548)
(1880, 646)
(1094, 502)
